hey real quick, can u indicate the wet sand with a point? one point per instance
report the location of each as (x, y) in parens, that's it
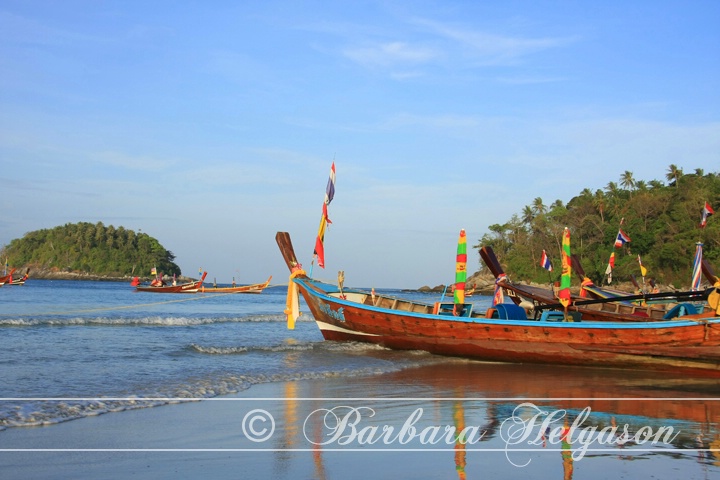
(396, 426)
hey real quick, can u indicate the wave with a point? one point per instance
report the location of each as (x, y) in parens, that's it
(346, 347)
(35, 412)
(170, 321)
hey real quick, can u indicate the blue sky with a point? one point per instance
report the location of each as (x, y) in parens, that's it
(212, 125)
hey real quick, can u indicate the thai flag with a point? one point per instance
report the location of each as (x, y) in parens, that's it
(706, 212)
(545, 262)
(621, 239)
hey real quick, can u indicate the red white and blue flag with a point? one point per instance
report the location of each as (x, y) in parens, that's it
(621, 239)
(325, 220)
(545, 262)
(706, 212)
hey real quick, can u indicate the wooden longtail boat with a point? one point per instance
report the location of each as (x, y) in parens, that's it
(684, 346)
(617, 309)
(656, 305)
(190, 287)
(21, 280)
(255, 288)
(7, 278)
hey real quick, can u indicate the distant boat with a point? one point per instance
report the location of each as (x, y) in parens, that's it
(688, 345)
(7, 278)
(21, 280)
(255, 288)
(190, 287)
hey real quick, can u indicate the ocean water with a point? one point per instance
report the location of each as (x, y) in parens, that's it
(70, 350)
(86, 340)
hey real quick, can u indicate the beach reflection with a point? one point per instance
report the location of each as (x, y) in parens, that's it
(626, 409)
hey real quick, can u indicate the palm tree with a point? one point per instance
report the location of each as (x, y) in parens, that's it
(627, 180)
(612, 188)
(655, 184)
(600, 201)
(528, 215)
(538, 206)
(674, 173)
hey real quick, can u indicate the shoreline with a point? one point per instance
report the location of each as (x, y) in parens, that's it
(280, 429)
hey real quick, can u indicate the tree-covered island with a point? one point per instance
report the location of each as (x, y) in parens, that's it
(89, 249)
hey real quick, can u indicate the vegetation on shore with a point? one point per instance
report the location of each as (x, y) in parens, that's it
(662, 221)
(91, 249)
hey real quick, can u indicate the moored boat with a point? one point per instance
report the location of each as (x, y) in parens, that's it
(21, 280)
(189, 287)
(7, 278)
(254, 288)
(688, 345)
(611, 307)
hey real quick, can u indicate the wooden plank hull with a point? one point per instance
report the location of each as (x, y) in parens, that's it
(255, 288)
(681, 346)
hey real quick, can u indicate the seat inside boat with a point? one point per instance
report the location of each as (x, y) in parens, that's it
(681, 310)
(507, 311)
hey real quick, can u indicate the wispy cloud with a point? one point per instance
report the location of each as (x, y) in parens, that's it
(421, 43)
(391, 54)
(490, 48)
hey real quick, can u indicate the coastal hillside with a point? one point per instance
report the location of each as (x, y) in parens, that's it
(86, 250)
(660, 221)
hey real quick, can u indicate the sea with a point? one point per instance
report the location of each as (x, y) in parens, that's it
(91, 339)
(73, 350)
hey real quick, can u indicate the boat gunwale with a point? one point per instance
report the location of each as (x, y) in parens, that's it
(317, 291)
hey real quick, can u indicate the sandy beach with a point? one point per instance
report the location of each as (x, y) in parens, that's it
(391, 425)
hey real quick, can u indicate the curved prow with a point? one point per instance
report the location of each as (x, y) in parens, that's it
(488, 256)
(286, 248)
(709, 273)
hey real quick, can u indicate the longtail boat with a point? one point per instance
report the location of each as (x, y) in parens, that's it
(612, 308)
(688, 345)
(7, 278)
(656, 305)
(189, 287)
(255, 288)
(21, 280)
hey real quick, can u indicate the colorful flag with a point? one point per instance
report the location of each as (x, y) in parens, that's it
(706, 212)
(498, 296)
(585, 283)
(545, 262)
(460, 272)
(643, 270)
(611, 265)
(697, 267)
(325, 220)
(621, 239)
(566, 276)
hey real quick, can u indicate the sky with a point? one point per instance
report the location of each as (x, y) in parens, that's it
(212, 125)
